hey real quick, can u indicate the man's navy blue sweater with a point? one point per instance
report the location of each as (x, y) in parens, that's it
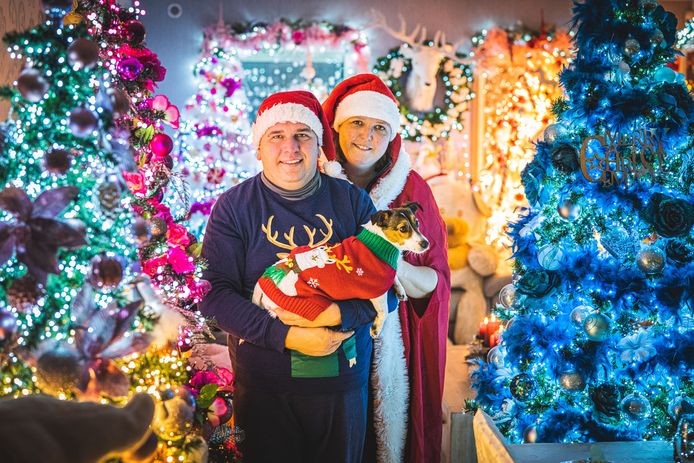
(238, 246)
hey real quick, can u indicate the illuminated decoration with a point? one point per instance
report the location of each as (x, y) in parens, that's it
(238, 68)
(615, 158)
(291, 55)
(518, 77)
(597, 343)
(443, 119)
(685, 43)
(685, 36)
(77, 319)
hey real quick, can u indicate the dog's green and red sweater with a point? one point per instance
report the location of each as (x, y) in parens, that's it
(360, 267)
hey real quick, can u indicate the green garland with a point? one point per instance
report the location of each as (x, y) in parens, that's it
(457, 81)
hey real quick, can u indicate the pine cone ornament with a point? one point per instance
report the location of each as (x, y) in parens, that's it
(109, 195)
(606, 398)
(157, 226)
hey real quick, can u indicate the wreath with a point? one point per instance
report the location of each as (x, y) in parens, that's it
(439, 122)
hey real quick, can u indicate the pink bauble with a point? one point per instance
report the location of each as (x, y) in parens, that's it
(161, 145)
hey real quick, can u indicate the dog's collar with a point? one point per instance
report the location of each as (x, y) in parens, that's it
(380, 247)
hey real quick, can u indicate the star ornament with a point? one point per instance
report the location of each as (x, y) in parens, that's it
(35, 235)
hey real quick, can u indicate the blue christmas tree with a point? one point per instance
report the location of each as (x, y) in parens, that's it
(598, 340)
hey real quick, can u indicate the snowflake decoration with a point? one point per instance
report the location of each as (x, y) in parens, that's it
(360, 271)
(312, 282)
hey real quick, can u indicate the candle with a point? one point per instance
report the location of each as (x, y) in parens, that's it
(483, 330)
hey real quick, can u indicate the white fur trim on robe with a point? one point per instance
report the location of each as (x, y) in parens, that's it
(391, 390)
(389, 187)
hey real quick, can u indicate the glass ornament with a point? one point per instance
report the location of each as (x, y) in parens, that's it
(508, 296)
(597, 327)
(579, 314)
(651, 260)
(635, 407)
(522, 387)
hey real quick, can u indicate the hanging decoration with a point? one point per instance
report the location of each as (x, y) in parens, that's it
(421, 63)
(518, 71)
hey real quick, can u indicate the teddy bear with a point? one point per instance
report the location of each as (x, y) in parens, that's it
(475, 279)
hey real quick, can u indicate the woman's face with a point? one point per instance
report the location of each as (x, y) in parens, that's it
(363, 140)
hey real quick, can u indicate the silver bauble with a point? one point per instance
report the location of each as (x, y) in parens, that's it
(597, 327)
(507, 295)
(550, 256)
(580, 313)
(567, 210)
(83, 122)
(635, 407)
(651, 260)
(496, 356)
(32, 85)
(572, 381)
(553, 132)
(631, 47)
(657, 39)
(83, 53)
(174, 413)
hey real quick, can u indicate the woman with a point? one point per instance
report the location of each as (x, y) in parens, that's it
(365, 118)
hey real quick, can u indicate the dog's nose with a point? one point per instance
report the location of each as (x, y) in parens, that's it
(424, 244)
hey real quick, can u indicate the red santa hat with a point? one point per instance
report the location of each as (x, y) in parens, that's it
(294, 106)
(363, 95)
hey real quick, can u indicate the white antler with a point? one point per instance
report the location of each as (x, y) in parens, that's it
(380, 21)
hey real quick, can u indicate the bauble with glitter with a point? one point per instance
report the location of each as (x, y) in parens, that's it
(32, 85)
(631, 47)
(597, 327)
(572, 381)
(553, 132)
(522, 387)
(635, 407)
(651, 260)
(174, 413)
(83, 122)
(83, 53)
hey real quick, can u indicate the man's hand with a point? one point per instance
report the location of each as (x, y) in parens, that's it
(316, 342)
(329, 317)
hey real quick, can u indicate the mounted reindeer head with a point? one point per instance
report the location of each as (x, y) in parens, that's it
(421, 83)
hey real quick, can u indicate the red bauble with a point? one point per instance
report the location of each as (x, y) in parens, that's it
(134, 32)
(161, 145)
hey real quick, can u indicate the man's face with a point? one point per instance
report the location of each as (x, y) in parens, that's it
(289, 154)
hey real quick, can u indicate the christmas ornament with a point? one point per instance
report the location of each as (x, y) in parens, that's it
(550, 256)
(597, 327)
(134, 32)
(522, 387)
(651, 260)
(623, 71)
(174, 413)
(675, 407)
(141, 230)
(530, 434)
(648, 5)
(8, 324)
(57, 161)
(553, 132)
(57, 8)
(59, 371)
(157, 226)
(631, 47)
(657, 38)
(109, 195)
(32, 85)
(565, 159)
(496, 356)
(120, 103)
(580, 313)
(683, 441)
(567, 210)
(83, 54)
(107, 272)
(215, 175)
(507, 295)
(161, 145)
(83, 122)
(24, 292)
(606, 399)
(617, 241)
(635, 407)
(572, 381)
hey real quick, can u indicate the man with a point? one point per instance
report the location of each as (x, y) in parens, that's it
(301, 388)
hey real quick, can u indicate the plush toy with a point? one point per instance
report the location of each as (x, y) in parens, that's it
(471, 263)
(42, 428)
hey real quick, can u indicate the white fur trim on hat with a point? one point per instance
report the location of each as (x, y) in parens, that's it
(370, 104)
(286, 112)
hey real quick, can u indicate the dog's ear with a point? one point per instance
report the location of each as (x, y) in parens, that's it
(381, 218)
(413, 206)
